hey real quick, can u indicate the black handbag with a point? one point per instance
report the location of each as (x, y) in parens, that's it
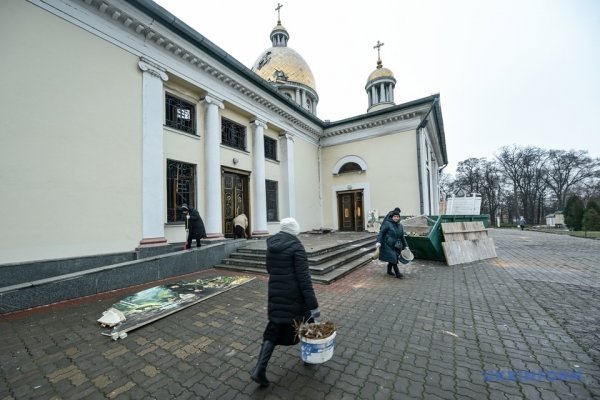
(399, 245)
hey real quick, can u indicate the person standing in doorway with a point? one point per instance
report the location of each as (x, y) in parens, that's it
(194, 226)
(291, 297)
(240, 224)
(390, 233)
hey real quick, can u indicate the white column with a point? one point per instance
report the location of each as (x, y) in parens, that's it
(287, 161)
(303, 102)
(212, 169)
(382, 91)
(297, 99)
(153, 180)
(259, 192)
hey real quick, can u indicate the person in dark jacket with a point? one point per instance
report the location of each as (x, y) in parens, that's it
(390, 233)
(193, 225)
(291, 297)
(388, 216)
(522, 223)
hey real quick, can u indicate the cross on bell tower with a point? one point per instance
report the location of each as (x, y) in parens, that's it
(278, 8)
(380, 85)
(378, 47)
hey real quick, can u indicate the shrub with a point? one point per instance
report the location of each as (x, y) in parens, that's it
(574, 213)
(591, 220)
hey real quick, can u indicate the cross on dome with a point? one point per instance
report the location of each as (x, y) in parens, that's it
(378, 47)
(278, 8)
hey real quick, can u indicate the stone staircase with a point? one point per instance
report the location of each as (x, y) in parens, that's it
(330, 256)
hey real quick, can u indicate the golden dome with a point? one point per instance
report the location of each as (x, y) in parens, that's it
(281, 64)
(279, 28)
(380, 73)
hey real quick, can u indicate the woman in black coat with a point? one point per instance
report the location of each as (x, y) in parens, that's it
(291, 294)
(194, 226)
(391, 232)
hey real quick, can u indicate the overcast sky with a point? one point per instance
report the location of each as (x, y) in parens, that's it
(524, 72)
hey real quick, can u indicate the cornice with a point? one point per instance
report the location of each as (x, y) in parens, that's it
(191, 55)
(364, 125)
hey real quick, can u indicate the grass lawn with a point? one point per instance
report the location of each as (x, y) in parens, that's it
(581, 234)
(589, 234)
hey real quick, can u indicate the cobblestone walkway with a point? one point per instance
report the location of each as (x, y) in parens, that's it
(523, 326)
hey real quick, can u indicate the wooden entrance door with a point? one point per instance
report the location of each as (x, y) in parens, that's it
(350, 211)
(235, 199)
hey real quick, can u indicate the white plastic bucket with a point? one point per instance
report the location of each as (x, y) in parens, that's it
(317, 351)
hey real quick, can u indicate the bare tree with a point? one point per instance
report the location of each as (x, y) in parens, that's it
(533, 184)
(491, 189)
(510, 160)
(469, 175)
(527, 181)
(446, 182)
(567, 169)
(478, 175)
(525, 168)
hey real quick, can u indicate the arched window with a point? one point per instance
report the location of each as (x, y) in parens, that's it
(350, 167)
(350, 163)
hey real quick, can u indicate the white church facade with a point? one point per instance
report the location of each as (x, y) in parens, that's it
(115, 113)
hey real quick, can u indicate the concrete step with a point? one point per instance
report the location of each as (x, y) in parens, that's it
(234, 262)
(318, 265)
(342, 252)
(314, 250)
(326, 252)
(327, 261)
(248, 256)
(341, 260)
(242, 268)
(342, 271)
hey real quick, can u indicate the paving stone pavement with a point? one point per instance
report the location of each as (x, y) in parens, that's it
(525, 325)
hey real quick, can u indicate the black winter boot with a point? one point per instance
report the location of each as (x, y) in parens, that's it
(259, 375)
(397, 271)
(390, 269)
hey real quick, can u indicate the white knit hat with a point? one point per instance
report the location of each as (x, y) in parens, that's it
(289, 225)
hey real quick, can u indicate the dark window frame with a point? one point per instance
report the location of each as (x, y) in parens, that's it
(233, 134)
(272, 195)
(270, 148)
(180, 114)
(181, 188)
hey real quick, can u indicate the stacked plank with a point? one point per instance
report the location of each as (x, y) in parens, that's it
(466, 242)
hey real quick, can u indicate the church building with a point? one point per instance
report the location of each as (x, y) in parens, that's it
(115, 113)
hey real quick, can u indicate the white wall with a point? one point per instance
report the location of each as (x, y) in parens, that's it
(307, 185)
(391, 176)
(70, 143)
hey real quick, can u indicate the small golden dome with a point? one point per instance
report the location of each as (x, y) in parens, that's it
(380, 72)
(279, 28)
(280, 64)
